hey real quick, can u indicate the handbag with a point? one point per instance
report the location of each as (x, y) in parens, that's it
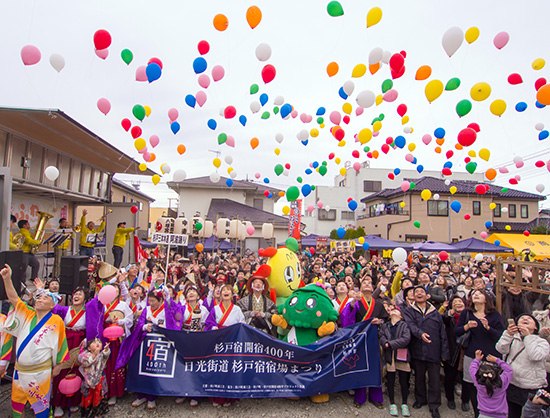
(464, 340)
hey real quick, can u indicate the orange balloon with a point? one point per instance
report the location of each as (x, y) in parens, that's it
(375, 154)
(221, 22)
(543, 95)
(438, 150)
(181, 149)
(491, 174)
(423, 72)
(440, 141)
(332, 69)
(281, 194)
(153, 158)
(253, 16)
(199, 247)
(374, 68)
(459, 146)
(254, 142)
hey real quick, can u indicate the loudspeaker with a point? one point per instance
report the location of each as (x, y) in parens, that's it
(14, 259)
(74, 273)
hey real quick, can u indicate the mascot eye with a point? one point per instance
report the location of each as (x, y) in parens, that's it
(293, 301)
(289, 274)
(298, 270)
(311, 302)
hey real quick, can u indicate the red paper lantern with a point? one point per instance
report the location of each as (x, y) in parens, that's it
(70, 385)
(112, 332)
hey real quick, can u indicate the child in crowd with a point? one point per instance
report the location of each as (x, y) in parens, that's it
(94, 385)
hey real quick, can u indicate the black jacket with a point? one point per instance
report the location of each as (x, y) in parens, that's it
(401, 340)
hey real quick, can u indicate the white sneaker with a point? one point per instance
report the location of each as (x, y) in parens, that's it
(137, 402)
(112, 401)
(151, 405)
(179, 401)
(194, 402)
(58, 413)
(74, 409)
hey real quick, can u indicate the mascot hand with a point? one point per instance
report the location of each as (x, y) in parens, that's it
(326, 329)
(279, 321)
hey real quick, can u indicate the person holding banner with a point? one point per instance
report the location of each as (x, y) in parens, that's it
(194, 313)
(342, 299)
(41, 345)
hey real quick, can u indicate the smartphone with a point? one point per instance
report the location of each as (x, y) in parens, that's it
(542, 396)
(511, 321)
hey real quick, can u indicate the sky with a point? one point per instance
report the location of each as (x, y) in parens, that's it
(304, 39)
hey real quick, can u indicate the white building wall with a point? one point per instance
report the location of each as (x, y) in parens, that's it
(192, 200)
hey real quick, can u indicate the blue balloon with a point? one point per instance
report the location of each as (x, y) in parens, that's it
(229, 182)
(306, 189)
(488, 224)
(352, 204)
(308, 171)
(263, 98)
(341, 232)
(270, 195)
(285, 110)
(315, 164)
(448, 164)
(400, 141)
(414, 161)
(456, 206)
(242, 119)
(539, 105)
(497, 243)
(366, 246)
(153, 72)
(304, 143)
(212, 124)
(342, 93)
(439, 133)
(321, 111)
(199, 65)
(543, 135)
(420, 168)
(266, 180)
(175, 127)
(396, 171)
(190, 100)
(521, 106)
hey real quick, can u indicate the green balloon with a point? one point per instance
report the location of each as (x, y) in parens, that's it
(127, 56)
(299, 179)
(323, 170)
(312, 188)
(463, 107)
(387, 85)
(279, 169)
(222, 138)
(381, 117)
(139, 112)
(412, 185)
(291, 244)
(366, 149)
(471, 167)
(265, 115)
(452, 84)
(198, 226)
(375, 120)
(292, 193)
(276, 110)
(416, 224)
(335, 9)
(324, 163)
(504, 190)
(320, 120)
(254, 89)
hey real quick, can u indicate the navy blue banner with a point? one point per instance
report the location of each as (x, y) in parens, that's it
(241, 362)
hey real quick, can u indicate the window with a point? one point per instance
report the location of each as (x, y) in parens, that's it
(347, 215)
(511, 211)
(416, 238)
(497, 211)
(524, 211)
(438, 208)
(372, 186)
(258, 204)
(476, 209)
(327, 216)
(123, 198)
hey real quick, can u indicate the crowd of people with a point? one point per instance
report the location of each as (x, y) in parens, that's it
(432, 316)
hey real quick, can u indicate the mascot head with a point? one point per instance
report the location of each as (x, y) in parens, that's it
(308, 307)
(282, 270)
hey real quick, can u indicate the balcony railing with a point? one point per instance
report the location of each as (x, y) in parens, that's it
(387, 211)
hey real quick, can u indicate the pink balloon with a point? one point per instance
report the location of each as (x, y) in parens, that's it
(320, 204)
(154, 140)
(218, 72)
(357, 166)
(230, 141)
(142, 151)
(146, 156)
(173, 114)
(200, 97)
(405, 186)
(102, 53)
(204, 81)
(375, 133)
(390, 96)
(257, 175)
(427, 139)
(141, 75)
(335, 117)
(104, 106)
(310, 208)
(107, 294)
(517, 177)
(409, 158)
(294, 113)
(483, 234)
(520, 164)
(30, 55)
(303, 117)
(250, 230)
(548, 165)
(501, 39)
(359, 111)
(503, 170)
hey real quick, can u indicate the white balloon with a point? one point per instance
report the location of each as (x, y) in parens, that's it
(375, 56)
(303, 135)
(255, 106)
(165, 168)
(228, 159)
(517, 159)
(407, 129)
(279, 137)
(263, 52)
(386, 57)
(540, 188)
(51, 173)
(447, 182)
(348, 87)
(436, 196)
(365, 99)
(279, 100)
(179, 175)
(452, 39)
(327, 208)
(479, 257)
(214, 177)
(222, 111)
(504, 210)
(399, 255)
(539, 126)
(233, 174)
(57, 62)
(286, 172)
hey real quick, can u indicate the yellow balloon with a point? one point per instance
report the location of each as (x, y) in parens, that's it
(377, 126)
(337, 160)
(498, 107)
(412, 147)
(480, 92)
(365, 135)
(217, 162)
(361, 240)
(314, 133)
(433, 90)
(484, 154)
(229, 170)
(147, 110)
(347, 108)
(492, 206)
(142, 167)
(162, 168)
(472, 34)
(404, 120)
(412, 130)
(379, 99)
(277, 151)
(322, 125)
(426, 194)
(343, 171)
(374, 16)
(538, 64)
(402, 204)
(342, 143)
(359, 71)
(156, 179)
(453, 189)
(140, 144)
(508, 227)
(472, 153)
(286, 210)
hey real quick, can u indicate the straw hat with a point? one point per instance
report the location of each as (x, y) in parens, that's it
(116, 315)
(106, 271)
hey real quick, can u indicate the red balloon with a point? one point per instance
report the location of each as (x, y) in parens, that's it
(369, 154)
(339, 134)
(355, 153)
(449, 154)
(443, 255)
(155, 61)
(402, 110)
(513, 181)
(266, 193)
(467, 160)
(102, 39)
(350, 199)
(203, 47)
(312, 250)
(230, 112)
(526, 233)
(447, 171)
(515, 79)
(474, 126)
(480, 189)
(331, 156)
(268, 73)
(397, 61)
(540, 164)
(391, 176)
(385, 148)
(346, 119)
(126, 124)
(135, 132)
(397, 74)
(467, 137)
(287, 166)
(539, 83)
(134, 209)
(389, 140)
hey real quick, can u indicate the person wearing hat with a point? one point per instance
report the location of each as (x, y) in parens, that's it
(105, 273)
(526, 352)
(122, 234)
(256, 307)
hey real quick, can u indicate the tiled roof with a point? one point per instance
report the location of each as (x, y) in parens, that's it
(436, 185)
(515, 227)
(205, 182)
(227, 208)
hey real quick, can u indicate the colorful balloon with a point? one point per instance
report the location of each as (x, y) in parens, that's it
(30, 55)
(374, 16)
(472, 34)
(102, 39)
(220, 22)
(253, 16)
(452, 40)
(433, 90)
(335, 9)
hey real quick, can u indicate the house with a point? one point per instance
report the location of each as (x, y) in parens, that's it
(405, 216)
